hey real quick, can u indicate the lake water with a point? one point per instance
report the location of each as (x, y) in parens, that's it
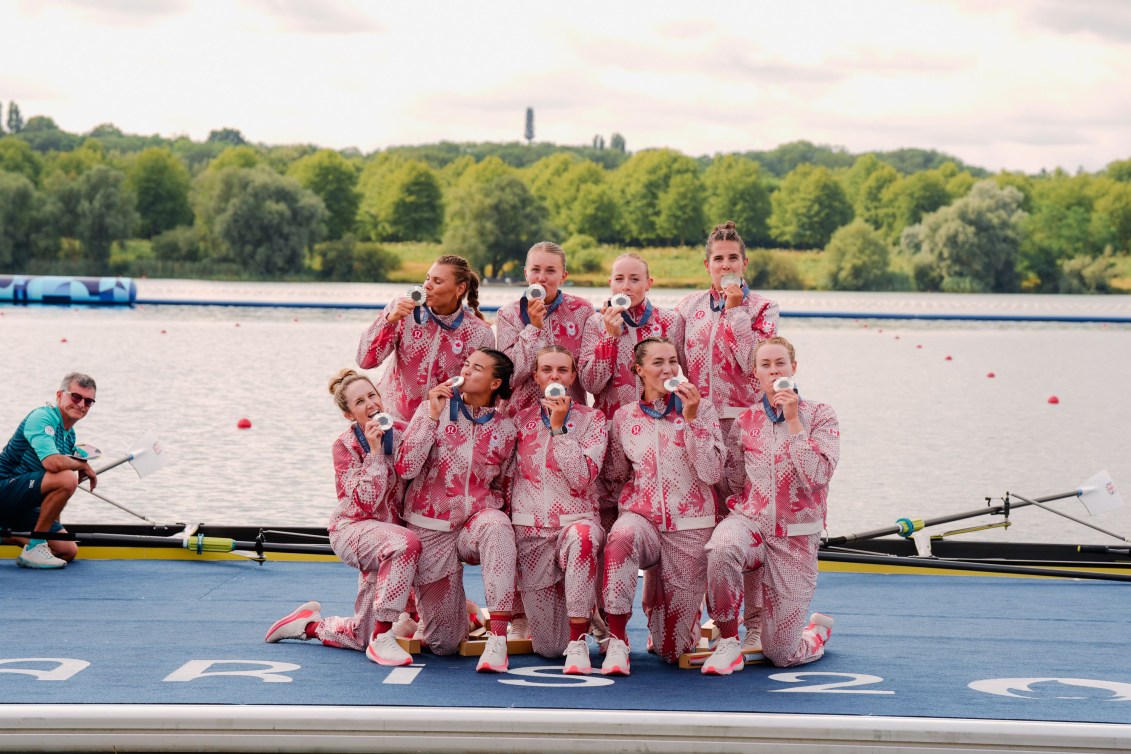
(921, 436)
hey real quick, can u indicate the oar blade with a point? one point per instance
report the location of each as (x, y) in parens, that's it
(1099, 495)
(148, 455)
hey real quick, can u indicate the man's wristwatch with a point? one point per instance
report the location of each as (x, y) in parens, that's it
(561, 431)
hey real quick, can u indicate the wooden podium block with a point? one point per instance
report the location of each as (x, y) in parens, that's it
(412, 646)
(695, 660)
(709, 631)
(473, 647)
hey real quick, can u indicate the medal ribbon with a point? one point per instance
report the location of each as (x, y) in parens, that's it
(523, 305)
(363, 441)
(421, 318)
(644, 318)
(674, 404)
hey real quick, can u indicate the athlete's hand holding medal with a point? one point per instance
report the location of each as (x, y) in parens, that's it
(785, 398)
(688, 395)
(415, 297)
(556, 403)
(440, 395)
(536, 305)
(376, 427)
(611, 312)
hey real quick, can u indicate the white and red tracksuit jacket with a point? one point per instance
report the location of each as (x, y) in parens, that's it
(367, 484)
(605, 363)
(719, 347)
(522, 342)
(554, 475)
(458, 468)
(668, 465)
(423, 355)
(781, 482)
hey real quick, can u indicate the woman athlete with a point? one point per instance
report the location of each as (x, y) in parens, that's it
(526, 326)
(782, 455)
(427, 343)
(668, 451)
(456, 451)
(365, 532)
(556, 514)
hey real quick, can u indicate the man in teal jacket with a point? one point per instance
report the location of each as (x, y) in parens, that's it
(38, 473)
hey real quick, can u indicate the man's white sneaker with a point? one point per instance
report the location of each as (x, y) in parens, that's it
(494, 657)
(404, 626)
(616, 658)
(753, 640)
(293, 626)
(519, 629)
(822, 627)
(577, 658)
(39, 556)
(383, 649)
(726, 658)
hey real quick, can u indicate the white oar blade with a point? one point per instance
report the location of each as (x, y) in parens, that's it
(148, 456)
(1098, 494)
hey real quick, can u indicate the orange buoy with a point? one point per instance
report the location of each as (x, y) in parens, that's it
(237, 324)
(1054, 400)
(163, 332)
(880, 330)
(897, 337)
(991, 375)
(918, 345)
(244, 423)
(62, 340)
(948, 358)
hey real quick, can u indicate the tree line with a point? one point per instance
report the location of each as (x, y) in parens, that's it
(909, 219)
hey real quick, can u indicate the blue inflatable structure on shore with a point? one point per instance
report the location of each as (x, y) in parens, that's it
(51, 289)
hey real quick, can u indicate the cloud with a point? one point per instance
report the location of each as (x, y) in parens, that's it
(130, 13)
(317, 16)
(1107, 19)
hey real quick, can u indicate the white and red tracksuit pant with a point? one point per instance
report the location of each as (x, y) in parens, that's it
(386, 556)
(677, 579)
(786, 579)
(486, 540)
(557, 578)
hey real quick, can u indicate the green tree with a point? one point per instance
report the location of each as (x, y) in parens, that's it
(857, 259)
(616, 143)
(402, 200)
(227, 136)
(1087, 274)
(16, 156)
(493, 222)
(15, 120)
(641, 182)
(869, 203)
(1060, 227)
(236, 157)
(595, 213)
(971, 245)
(808, 207)
(24, 230)
(44, 135)
(413, 204)
(546, 179)
(1112, 215)
(161, 184)
(1119, 170)
(77, 161)
(681, 215)
(264, 221)
(334, 179)
(96, 208)
(854, 177)
(908, 199)
(735, 191)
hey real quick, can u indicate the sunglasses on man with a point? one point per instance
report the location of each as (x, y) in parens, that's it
(78, 398)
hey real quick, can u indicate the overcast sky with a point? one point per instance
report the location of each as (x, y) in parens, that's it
(1019, 85)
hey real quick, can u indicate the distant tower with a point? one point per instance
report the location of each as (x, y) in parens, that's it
(529, 125)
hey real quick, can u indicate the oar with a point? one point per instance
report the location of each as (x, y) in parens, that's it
(963, 565)
(197, 542)
(105, 499)
(146, 457)
(1097, 493)
(905, 527)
